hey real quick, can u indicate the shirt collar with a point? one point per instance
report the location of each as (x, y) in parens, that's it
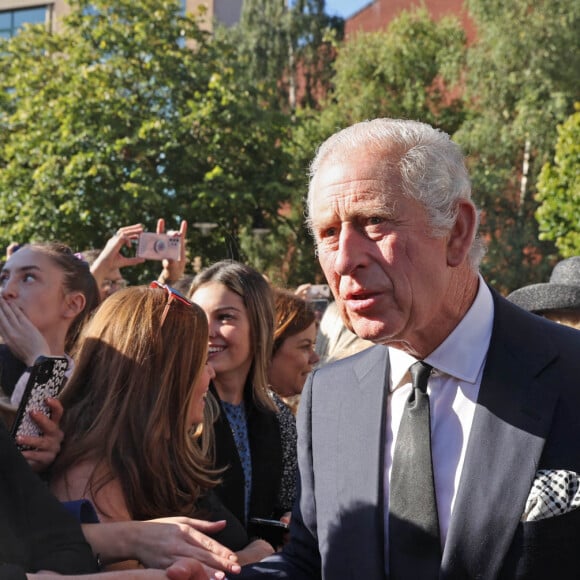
(462, 354)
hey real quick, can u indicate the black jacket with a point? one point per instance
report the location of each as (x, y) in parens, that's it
(11, 369)
(36, 531)
(269, 455)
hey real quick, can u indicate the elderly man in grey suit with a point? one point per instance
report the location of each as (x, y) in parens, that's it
(451, 449)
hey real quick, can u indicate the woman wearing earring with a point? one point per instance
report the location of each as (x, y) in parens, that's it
(255, 433)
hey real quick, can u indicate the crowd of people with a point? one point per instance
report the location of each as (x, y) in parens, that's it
(174, 440)
(171, 415)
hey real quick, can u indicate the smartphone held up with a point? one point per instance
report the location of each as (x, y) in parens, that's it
(159, 246)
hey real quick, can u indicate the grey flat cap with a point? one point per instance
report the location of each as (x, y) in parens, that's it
(562, 292)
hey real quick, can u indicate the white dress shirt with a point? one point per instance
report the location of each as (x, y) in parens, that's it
(453, 388)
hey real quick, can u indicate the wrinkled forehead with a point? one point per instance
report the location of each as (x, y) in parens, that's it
(359, 180)
(342, 167)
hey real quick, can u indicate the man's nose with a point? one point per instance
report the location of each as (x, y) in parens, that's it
(350, 254)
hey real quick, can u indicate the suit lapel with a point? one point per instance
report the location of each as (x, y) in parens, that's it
(361, 431)
(510, 426)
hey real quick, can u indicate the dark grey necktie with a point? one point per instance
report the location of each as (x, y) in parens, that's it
(414, 545)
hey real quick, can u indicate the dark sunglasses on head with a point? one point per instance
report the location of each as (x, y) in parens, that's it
(172, 295)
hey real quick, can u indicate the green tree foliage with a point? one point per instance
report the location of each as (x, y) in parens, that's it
(129, 114)
(559, 191)
(287, 48)
(407, 71)
(522, 80)
(313, 37)
(263, 39)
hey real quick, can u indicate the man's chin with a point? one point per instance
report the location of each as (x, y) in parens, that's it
(371, 331)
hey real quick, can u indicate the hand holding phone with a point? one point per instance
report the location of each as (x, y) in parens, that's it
(271, 530)
(47, 377)
(40, 452)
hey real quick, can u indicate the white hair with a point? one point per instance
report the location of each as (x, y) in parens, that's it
(430, 165)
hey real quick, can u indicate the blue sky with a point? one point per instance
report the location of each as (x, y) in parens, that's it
(344, 8)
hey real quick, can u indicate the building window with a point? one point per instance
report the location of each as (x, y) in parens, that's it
(12, 20)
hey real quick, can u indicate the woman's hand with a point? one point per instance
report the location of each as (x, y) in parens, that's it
(183, 537)
(173, 270)
(161, 542)
(21, 336)
(189, 569)
(111, 258)
(46, 447)
(302, 291)
(254, 552)
(182, 569)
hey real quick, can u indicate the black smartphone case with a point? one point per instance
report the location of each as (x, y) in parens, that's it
(47, 377)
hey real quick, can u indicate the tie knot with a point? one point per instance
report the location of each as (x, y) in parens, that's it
(420, 372)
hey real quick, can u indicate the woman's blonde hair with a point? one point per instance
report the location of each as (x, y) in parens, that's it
(127, 402)
(257, 296)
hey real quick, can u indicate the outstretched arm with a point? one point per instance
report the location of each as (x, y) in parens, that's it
(161, 542)
(111, 258)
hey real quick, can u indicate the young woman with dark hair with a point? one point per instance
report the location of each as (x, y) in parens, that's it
(47, 294)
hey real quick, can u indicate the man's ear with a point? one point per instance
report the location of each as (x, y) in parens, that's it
(74, 304)
(462, 234)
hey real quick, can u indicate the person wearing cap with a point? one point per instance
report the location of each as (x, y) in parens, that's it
(558, 299)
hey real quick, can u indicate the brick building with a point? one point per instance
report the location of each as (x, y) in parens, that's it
(378, 14)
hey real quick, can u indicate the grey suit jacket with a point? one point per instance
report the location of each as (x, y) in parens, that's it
(527, 418)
